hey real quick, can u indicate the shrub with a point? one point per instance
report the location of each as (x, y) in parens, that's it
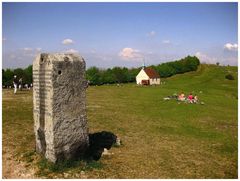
(229, 77)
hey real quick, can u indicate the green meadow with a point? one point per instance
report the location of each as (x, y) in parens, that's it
(160, 139)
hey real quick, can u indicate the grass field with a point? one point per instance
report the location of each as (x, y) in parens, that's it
(160, 139)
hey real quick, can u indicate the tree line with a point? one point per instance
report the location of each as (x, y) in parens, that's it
(97, 76)
(187, 64)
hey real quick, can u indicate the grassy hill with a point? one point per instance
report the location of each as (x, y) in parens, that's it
(161, 139)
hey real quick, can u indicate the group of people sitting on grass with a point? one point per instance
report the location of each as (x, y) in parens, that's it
(190, 98)
(193, 99)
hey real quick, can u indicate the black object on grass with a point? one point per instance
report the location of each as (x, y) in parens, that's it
(97, 142)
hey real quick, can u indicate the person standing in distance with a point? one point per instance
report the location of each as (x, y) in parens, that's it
(20, 84)
(15, 84)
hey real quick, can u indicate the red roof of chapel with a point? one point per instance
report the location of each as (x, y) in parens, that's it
(151, 73)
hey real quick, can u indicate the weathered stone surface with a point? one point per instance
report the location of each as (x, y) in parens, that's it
(59, 106)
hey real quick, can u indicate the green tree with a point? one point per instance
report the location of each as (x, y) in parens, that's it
(107, 77)
(28, 74)
(133, 73)
(119, 74)
(8, 77)
(3, 77)
(19, 72)
(93, 75)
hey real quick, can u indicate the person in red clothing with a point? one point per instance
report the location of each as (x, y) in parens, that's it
(190, 98)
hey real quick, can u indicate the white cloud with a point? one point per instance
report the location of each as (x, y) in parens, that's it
(166, 42)
(231, 47)
(27, 49)
(151, 33)
(67, 41)
(130, 54)
(71, 51)
(205, 58)
(30, 52)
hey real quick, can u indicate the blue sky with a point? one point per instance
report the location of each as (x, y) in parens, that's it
(120, 34)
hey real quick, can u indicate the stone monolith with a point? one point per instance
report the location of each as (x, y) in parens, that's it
(59, 106)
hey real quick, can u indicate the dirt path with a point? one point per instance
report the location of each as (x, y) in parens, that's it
(13, 169)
